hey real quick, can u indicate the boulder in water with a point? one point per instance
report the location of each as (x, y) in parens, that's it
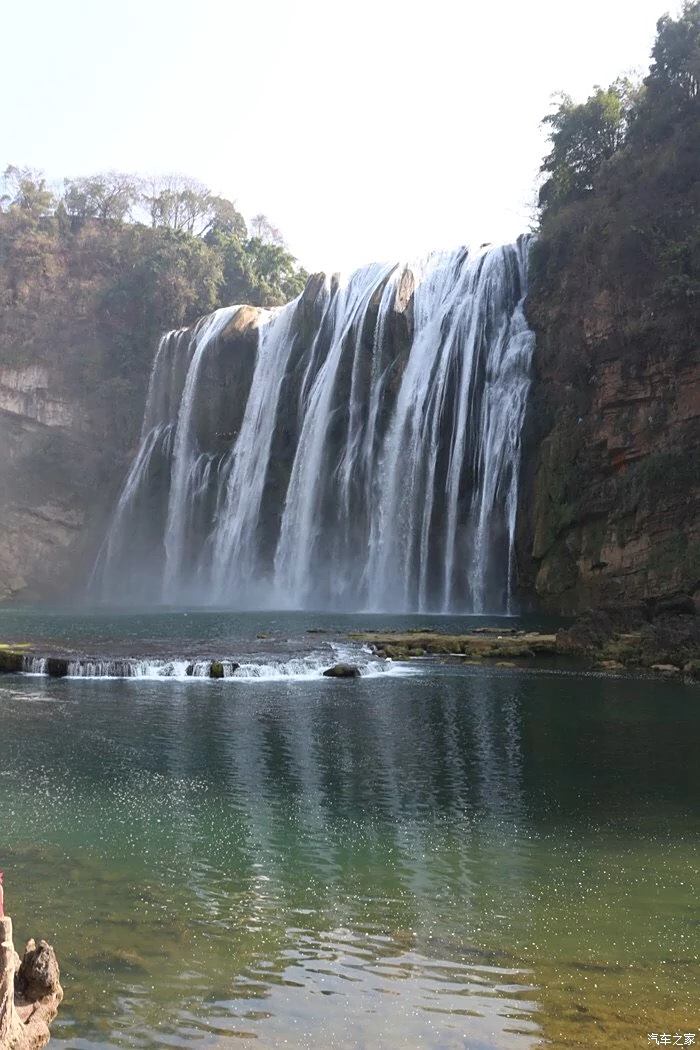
(220, 668)
(342, 671)
(56, 667)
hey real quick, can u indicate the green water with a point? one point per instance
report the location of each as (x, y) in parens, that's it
(460, 858)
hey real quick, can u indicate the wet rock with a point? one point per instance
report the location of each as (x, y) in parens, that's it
(30, 992)
(10, 662)
(342, 671)
(679, 605)
(636, 636)
(595, 627)
(38, 974)
(222, 668)
(56, 667)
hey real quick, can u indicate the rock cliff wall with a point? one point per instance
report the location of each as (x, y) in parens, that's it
(58, 481)
(611, 496)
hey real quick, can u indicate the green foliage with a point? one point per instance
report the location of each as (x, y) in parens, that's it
(586, 136)
(25, 191)
(583, 137)
(163, 280)
(238, 268)
(256, 272)
(110, 197)
(86, 288)
(623, 194)
(225, 218)
(672, 88)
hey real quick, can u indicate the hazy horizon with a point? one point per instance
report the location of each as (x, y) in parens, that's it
(378, 132)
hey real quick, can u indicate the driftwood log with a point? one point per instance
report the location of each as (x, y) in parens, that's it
(30, 992)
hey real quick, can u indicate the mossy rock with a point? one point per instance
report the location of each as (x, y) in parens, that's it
(216, 669)
(402, 646)
(10, 662)
(342, 671)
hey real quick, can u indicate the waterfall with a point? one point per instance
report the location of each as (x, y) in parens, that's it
(358, 448)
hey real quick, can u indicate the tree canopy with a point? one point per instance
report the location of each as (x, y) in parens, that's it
(92, 272)
(189, 227)
(583, 137)
(586, 136)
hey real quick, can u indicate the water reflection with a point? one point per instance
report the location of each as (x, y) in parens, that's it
(372, 863)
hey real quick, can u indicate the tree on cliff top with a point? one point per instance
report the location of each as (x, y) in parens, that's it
(672, 87)
(585, 136)
(25, 190)
(211, 231)
(620, 211)
(109, 197)
(91, 275)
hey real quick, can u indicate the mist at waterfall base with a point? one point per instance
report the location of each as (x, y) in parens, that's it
(363, 456)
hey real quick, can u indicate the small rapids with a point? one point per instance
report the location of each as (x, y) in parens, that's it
(263, 669)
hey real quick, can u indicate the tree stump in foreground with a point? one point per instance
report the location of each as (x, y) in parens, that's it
(30, 992)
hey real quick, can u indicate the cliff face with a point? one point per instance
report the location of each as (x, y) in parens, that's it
(611, 495)
(610, 498)
(58, 479)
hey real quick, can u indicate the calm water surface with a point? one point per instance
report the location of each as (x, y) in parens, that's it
(462, 857)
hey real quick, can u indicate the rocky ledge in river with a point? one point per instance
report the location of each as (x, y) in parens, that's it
(485, 643)
(661, 638)
(30, 992)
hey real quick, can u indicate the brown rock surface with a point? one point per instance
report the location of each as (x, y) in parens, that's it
(30, 992)
(610, 497)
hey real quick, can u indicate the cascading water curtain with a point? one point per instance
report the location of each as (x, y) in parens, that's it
(365, 455)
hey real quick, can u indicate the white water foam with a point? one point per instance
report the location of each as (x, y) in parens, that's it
(293, 668)
(376, 461)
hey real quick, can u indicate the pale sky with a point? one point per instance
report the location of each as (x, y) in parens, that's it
(366, 130)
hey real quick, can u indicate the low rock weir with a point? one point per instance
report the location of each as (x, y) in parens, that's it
(357, 449)
(288, 667)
